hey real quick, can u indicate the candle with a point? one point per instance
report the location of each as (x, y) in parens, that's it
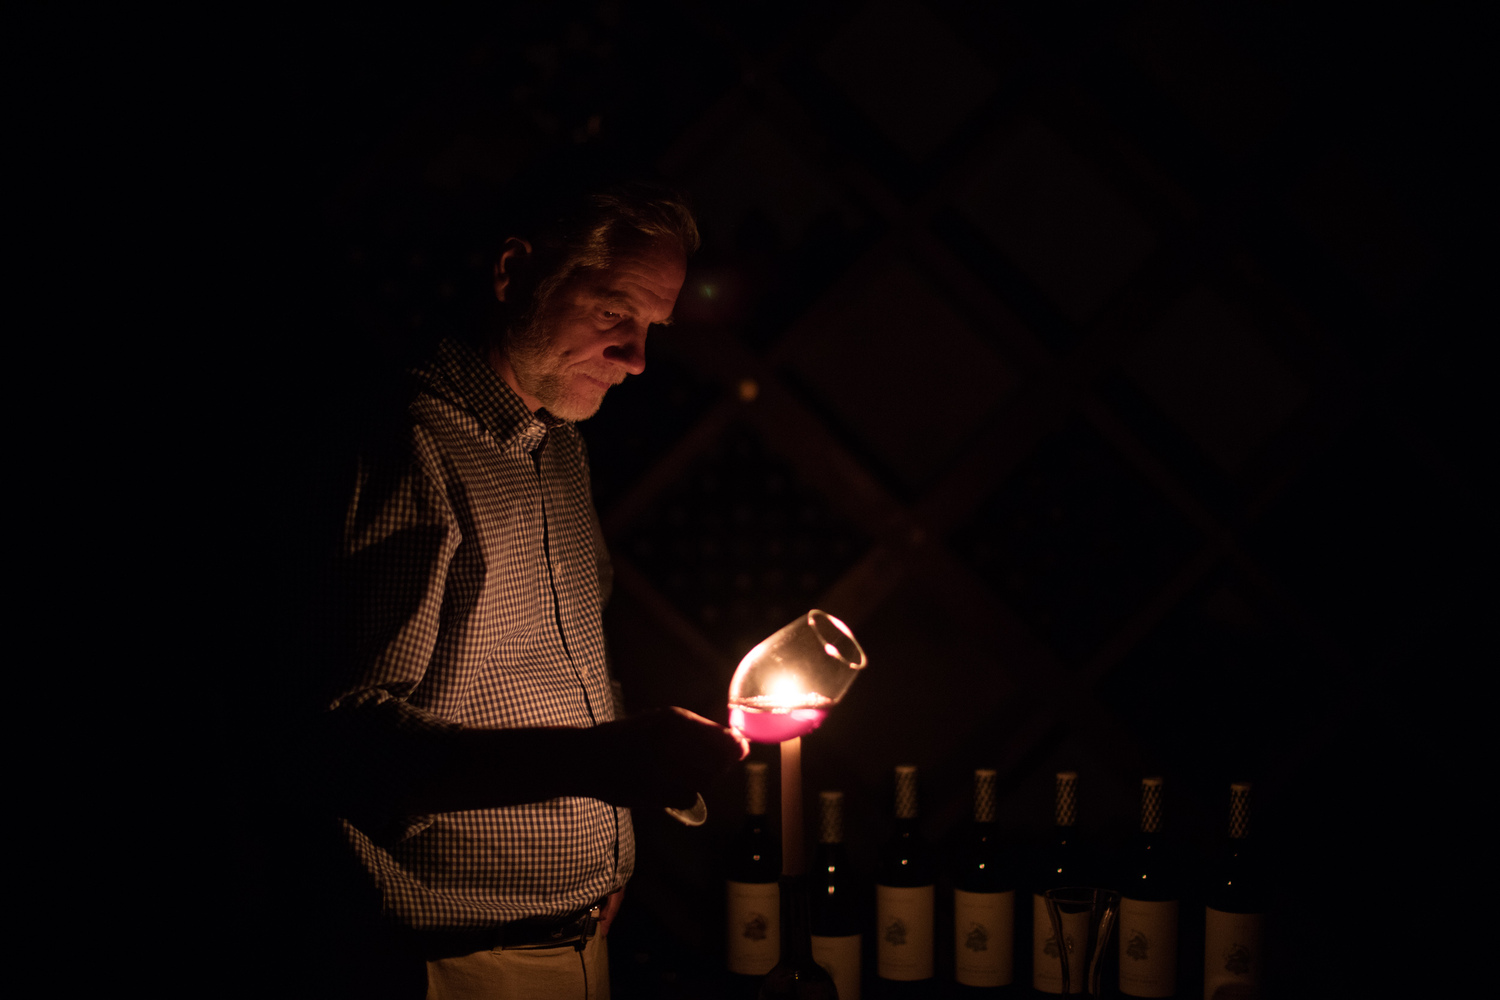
(793, 861)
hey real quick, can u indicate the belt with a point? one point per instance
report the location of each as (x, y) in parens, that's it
(530, 932)
(551, 932)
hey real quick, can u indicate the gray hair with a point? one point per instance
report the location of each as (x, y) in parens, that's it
(582, 234)
(605, 224)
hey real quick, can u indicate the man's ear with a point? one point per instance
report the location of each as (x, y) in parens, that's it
(516, 250)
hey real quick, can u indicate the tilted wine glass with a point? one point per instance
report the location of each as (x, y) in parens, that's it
(784, 687)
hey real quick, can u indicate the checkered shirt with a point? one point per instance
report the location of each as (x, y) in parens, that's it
(474, 566)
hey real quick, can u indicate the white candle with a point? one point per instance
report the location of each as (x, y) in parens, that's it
(793, 860)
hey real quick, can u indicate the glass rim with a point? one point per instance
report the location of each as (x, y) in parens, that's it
(815, 618)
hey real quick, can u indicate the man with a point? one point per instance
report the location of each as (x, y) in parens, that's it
(483, 773)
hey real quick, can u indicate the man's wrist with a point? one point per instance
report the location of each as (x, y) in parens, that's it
(597, 763)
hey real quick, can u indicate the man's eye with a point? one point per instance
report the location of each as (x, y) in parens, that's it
(609, 314)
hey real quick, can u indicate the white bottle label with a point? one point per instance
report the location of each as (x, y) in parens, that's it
(1232, 954)
(1148, 948)
(904, 926)
(984, 925)
(754, 924)
(1046, 960)
(840, 956)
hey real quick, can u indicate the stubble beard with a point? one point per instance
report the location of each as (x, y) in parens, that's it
(542, 374)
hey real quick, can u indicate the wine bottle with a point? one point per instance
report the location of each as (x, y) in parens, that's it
(1234, 921)
(836, 939)
(1149, 898)
(753, 921)
(1063, 863)
(904, 898)
(984, 903)
(796, 975)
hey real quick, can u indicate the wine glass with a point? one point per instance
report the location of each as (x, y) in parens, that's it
(1082, 920)
(784, 687)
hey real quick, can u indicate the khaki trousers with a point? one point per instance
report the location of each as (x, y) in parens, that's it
(523, 973)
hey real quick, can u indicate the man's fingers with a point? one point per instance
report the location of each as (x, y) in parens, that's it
(718, 738)
(690, 716)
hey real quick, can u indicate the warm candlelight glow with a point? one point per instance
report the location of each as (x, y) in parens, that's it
(782, 690)
(786, 692)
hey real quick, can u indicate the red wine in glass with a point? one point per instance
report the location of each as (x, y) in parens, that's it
(766, 719)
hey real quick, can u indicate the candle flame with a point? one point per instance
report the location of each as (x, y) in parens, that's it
(786, 691)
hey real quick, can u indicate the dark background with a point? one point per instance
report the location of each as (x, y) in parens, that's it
(1112, 378)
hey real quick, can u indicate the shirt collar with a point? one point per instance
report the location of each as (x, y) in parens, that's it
(460, 374)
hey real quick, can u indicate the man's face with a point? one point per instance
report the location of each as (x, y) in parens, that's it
(591, 332)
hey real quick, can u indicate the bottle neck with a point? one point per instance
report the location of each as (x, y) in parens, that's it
(1151, 844)
(906, 859)
(907, 838)
(983, 838)
(754, 854)
(1239, 811)
(830, 817)
(755, 789)
(755, 829)
(830, 865)
(978, 865)
(796, 920)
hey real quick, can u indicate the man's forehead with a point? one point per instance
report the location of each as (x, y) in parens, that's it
(642, 279)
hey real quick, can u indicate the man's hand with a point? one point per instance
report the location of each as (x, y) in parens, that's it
(662, 758)
(658, 759)
(611, 908)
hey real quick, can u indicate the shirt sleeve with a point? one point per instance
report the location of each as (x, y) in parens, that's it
(398, 540)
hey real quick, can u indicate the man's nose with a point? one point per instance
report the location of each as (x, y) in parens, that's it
(628, 349)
